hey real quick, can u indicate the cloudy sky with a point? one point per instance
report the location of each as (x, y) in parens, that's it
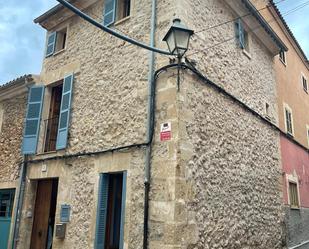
(22, 41)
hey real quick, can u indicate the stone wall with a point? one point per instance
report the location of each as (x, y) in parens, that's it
(111, 79)
(250, 78)
(11, 134)
(231, 173)
(214, 185)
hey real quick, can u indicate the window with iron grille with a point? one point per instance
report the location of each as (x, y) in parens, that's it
(288, 121)
(293, 195)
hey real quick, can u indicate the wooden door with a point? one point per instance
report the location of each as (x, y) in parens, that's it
(41, 214)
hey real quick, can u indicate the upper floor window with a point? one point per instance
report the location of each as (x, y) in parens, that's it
(282, 56)
(56, 126)
(242, 35)
(288, 120)
(304, 83)
(116, 10)
(56, 41)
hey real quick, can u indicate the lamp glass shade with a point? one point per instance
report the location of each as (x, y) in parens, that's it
(177, 38)
(182, 41)
(171, 42)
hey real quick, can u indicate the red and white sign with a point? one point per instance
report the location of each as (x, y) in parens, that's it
(166, 132)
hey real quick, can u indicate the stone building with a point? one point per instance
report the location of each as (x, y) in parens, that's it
(13, 101)
(215, 178)
(292, 74)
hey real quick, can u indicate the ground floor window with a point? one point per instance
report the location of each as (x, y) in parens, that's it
(111, 211)
(6, 207)
(293, 195)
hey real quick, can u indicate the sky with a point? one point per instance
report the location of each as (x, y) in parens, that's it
(22, 42)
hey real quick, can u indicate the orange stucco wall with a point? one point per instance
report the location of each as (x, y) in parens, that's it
(289, 85)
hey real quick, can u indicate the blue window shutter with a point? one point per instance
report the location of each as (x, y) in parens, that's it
(123, 205)
(109, 12)
(51, 43)
(240, 33)
(101, 211)
(65, 110)
(33, 120)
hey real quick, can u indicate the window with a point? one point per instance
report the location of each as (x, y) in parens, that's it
(307, 133)
(6, 202)
(304, 83)
(111, 211)
(293, 195)
(282, 56)
(51, 124)
(267, 111)
(56, 42)
(57, 124)
(288, 120)
(116, 10)
(242, 35)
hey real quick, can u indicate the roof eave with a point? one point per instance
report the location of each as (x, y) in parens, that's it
(265, 25)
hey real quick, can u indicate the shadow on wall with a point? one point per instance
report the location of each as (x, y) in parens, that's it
(298, 227)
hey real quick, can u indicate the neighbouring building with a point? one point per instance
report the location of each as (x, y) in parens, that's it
(292, 74)
(13, 102)
(215, 177)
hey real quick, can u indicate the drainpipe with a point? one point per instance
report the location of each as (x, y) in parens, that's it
(19, 204)
(150, 121)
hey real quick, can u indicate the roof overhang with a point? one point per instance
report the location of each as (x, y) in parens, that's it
(286, 29)
(17, 86)
(258, 25)
(59, 13)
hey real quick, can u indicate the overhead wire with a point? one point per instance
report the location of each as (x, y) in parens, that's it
(298, 7)
(111, 31)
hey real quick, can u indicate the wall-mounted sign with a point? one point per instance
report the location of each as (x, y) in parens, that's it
(166, 131)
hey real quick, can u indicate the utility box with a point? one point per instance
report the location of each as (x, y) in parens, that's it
(60, 230)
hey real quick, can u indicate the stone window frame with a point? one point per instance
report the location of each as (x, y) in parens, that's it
(124, 19)
(286, 107)
(58, 29)
(293, 178)
(303, 79)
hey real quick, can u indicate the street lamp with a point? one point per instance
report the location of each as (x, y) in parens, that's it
(177, 38)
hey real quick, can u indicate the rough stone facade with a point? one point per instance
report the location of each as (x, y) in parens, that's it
(11, 137)
(230, 161)
(215, 184)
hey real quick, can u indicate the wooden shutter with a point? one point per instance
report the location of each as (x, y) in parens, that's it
(65, 109)
(240, 33)
(109, 12)
(51, 43)
(123, 205)
(101, 211)
(33, 118)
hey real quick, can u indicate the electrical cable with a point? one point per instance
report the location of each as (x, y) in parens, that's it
(293, 10)
(111, 31)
